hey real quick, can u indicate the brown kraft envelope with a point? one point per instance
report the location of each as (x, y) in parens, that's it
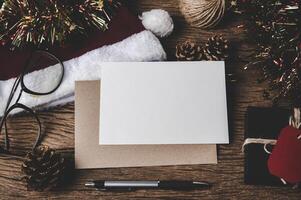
(89, 154)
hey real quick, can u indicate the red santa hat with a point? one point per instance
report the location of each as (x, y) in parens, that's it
(128, 39)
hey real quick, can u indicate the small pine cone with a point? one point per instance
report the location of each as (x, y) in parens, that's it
(189, 51)
(42, 168)
(217, 48)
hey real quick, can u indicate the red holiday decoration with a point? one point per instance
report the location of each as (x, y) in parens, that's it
(285, 160)
(12, 62)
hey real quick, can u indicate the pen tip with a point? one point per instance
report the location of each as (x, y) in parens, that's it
(201, 183)
(90, 184)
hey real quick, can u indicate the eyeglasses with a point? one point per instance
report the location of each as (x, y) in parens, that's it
(39, 83)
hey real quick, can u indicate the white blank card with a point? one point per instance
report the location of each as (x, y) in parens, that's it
(163, 103)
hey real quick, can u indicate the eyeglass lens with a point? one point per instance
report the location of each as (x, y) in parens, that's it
(43, 81)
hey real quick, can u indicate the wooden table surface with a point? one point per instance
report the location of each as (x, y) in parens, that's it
(226, 176)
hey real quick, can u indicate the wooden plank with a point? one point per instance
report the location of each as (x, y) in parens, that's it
(227, 176)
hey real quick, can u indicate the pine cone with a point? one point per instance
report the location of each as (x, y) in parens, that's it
(189, 51)
(217, 48)
(42, 168)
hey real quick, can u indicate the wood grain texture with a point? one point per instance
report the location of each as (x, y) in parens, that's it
(226, 177)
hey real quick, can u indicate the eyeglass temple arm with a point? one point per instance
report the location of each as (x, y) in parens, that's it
(13, 90)
(3, 122)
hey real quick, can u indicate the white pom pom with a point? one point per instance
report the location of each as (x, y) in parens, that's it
(158, 21)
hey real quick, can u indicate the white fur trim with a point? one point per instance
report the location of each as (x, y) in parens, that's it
(158, 21)
(140, 47)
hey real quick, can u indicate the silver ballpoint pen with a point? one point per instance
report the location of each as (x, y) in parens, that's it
(129, 185)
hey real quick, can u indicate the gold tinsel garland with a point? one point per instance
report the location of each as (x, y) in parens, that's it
(51, 22)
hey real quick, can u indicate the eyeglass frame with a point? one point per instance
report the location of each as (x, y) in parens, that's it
(20, 81)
